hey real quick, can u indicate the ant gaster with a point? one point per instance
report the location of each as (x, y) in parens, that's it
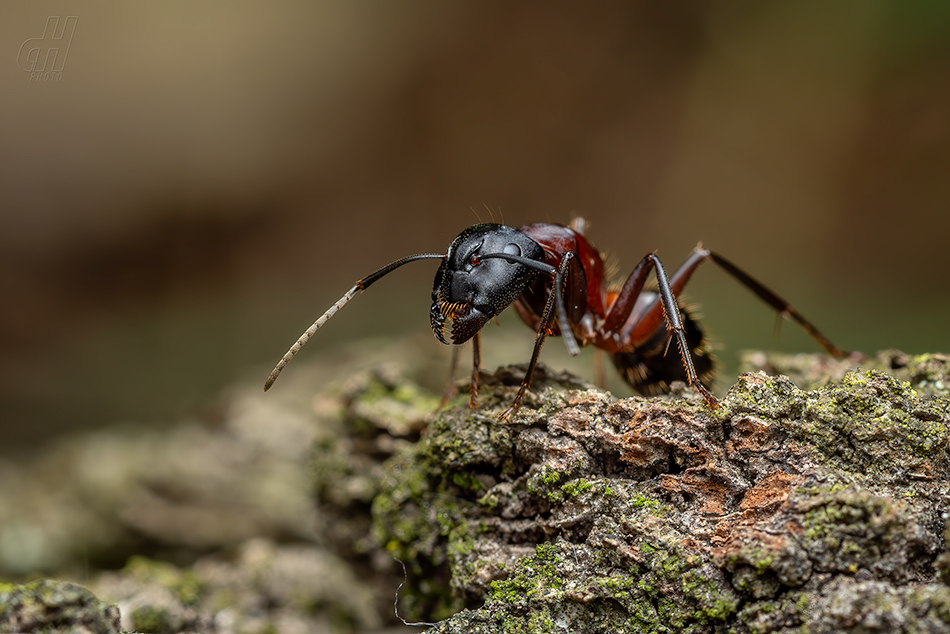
(549, 269)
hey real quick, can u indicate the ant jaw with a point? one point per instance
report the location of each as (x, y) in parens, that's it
(442, 311)
(466, 320)
(467, 324)
(437, 319)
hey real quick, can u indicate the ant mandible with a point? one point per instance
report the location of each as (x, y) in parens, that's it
(549, 269)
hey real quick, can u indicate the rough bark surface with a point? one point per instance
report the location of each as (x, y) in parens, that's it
(817, 507)
(782, 510)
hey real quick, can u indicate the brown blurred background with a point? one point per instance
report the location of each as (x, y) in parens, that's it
(204, 179)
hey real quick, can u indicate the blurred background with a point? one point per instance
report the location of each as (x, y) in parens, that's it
(196, 182)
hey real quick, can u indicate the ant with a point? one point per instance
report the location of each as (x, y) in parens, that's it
(549, 269)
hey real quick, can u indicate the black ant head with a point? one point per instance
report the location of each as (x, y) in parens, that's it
(470, 288)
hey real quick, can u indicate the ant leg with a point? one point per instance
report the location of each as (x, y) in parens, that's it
(619, 312)
(561, 277)
(554, 300)
(651, 317)
(783, 307)
(620, 329)
(648, 321)
(675, 326)
(476, 365)
(449, 392)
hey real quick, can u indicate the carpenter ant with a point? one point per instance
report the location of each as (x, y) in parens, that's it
(489, 267)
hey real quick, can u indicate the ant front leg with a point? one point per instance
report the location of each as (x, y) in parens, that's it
(476, 366)
(449, 393)
(555, 303)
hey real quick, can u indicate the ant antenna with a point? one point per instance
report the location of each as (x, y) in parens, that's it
(305, 337)
(361, 285)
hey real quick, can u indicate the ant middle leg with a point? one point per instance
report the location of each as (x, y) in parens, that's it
(625, 330)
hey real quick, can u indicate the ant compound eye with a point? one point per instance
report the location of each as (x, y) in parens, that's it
(513, 249)
(470, 263)
(469, 257)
